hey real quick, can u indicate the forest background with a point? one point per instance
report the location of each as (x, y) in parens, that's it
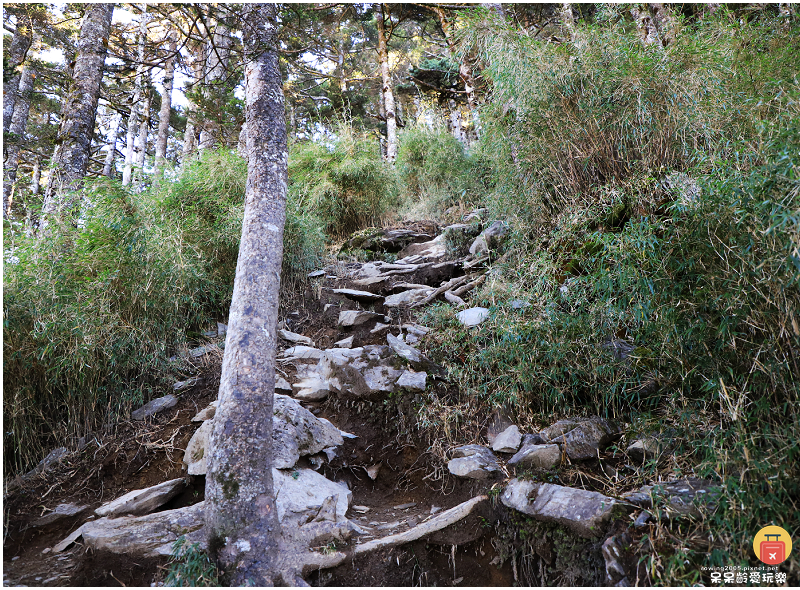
(644, 156)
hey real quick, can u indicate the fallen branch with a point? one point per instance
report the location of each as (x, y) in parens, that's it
(469, 286)
(446, 287)
(454, 299)
(437, 523)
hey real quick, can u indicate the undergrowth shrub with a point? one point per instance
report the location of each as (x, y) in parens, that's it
(436, 173)
(190, 566)
(344, 182)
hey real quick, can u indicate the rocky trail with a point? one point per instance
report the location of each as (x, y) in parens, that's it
(361, 497)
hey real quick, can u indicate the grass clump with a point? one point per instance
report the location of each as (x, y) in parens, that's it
(344, 182)
(190, 566)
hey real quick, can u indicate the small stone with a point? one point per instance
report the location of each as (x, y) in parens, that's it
(296, 338)
(588, 438)
(379, 327)
(416, 329)
(222, 329)
(518, 304)
(473, 462)
(355, 318)
(644, 449)
(15, 558)
(407, 298)
(302, 352)
(412, 381)
(404, 506)
(507, 441)
(201, 350)
(473, 316)
(155, 406)
(373, 470)
(642, 520)
(206, 413)
(184, 384)
(360, 509)
(344, 342)
(282, 385)
(435, 509)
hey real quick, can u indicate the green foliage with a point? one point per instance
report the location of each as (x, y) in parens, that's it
(344, 182)
(190, 566)
(93, 310)
(435, 173)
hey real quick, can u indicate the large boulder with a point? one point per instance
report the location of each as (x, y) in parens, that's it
(364, 372)
(489, 239)
(473, 462)
(61, 512)
(300, 495)
(583, 512)
(143, 501)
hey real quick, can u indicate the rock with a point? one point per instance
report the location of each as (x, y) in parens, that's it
(532, 439)
(311, 389)
(536, 456)
(682, 498)
(360, 372)
(282, 385)
(489, 239)
(373, 471)
(616, 554)
(297, 432)
(146, 536)
(472, 316)
(588, 438)
(474, 462)
(507, 441)
(583, 512)
(644, 449)
(519, 304)
(356, 318)
(222, 329)
(195, 454)
(416, 329)
(301, 352)
(153, 407)
(412, 381)
(61, 512)
(177, 386)
(409, 353)
(408, 338)
(300, 495)
(207, 413)
(201, 350)
(459, 236)
(425, 251)
(144, 501)
(406, 298)
(379, 327)
(557, 429)
(345, 343)
(361, 296)
(315, 274)
(476, 215)
(296, 338)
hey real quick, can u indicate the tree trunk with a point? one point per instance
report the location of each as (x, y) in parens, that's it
(136, 106)
(190, 134)
(665, 22)
(108, 168)
(74, 140)
(645, 25)
(36, 177)
(240, 506)
(20, 43)
(166, 107)
(455, 124)
(386, 90)
(144, 132)
(218, 54)
(17, 132)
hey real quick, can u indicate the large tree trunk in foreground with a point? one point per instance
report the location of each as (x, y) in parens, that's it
(20, 43)
(17, 131)
(386, 88)
(71, 157)
(241, 518)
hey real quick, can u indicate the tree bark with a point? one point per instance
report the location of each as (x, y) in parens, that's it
(74, 140)
(20, 43)
(218, 54)
(144, 132)
(190, 134)
(240, 506)
(16, 133)
(386, 89)
(665, 22)
(136, 106)
(166, 107)
(648, 33)
(36, 177)
(108, 167)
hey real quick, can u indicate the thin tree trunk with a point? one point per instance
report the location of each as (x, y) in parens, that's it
(20, 44)
(17, 133)
(190, 134)
(74, 141)
(218, 54)
(136, 106)
(166, 107)
(36, 177)
(241, 517)
(386, 79)
(112, 146)
(144, 132)
(455, 124)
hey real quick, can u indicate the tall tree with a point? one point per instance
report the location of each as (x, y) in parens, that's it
(166, 106)
(20, 43)
(71, 157)
(16, 133)
(218, 48)
(387, 90)
(134, 118)
(241, 517)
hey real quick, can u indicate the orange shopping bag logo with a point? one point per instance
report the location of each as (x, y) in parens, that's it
(772, 545)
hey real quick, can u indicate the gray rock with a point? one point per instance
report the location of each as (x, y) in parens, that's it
(644, 449)
(409, 338)
(559, 428)
(301, 353)
(139, 502)
(311, 389)
(282, 385)
(489, 239)
(345, 343)
(472, 316)
(406, 298)
(360, 372)
(315, 274)
(361, 296)
(296, 338)
(583, 512)
(222, 329)
(426, 251)
(153, 407)
(533, 439)
(518, 304)
(206, 413)
(61, 512)
(474, 462)
(177, 386)
(476, 215)
(379, 327)
(195, 454)
(616, 554)
(412, 381)
(507, 441)
(585, 440)
(356, 318)
(416, 329)
(201, 350)
(301, 495)
(537, 456)
(297, 432)
(682, 498)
